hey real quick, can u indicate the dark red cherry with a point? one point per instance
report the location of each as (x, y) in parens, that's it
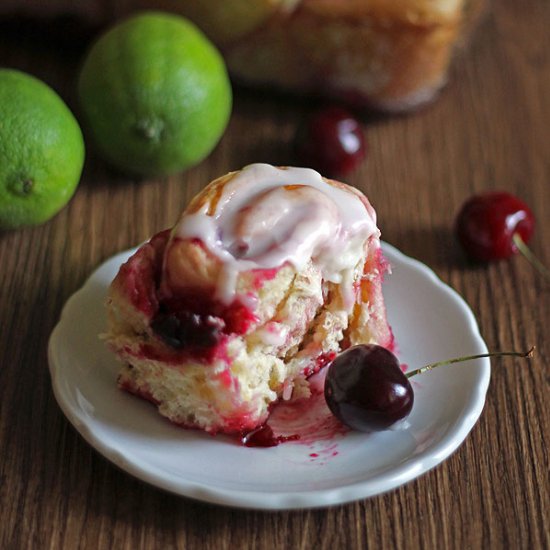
(331, 141)
(366, 389)
(487, 223)
(188, 330)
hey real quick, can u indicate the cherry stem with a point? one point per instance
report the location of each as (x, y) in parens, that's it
(530, 257)
(431, 366)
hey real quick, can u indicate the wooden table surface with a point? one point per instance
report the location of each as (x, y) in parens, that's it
(489, 129)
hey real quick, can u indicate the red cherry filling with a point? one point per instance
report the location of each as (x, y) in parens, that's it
(197, 322)
(366, 389)
(141, 274)
(185, 329)
(331, 141)
(487, 223)
(190, 322)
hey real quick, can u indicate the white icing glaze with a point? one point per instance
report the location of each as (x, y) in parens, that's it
(268, 216)
(274, 334)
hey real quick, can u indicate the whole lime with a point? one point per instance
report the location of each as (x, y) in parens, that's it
(41, 151)
(155, 93)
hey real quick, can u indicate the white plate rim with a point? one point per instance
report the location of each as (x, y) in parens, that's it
(288, 500)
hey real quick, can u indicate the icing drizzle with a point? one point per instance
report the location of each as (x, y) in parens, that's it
(268, 216)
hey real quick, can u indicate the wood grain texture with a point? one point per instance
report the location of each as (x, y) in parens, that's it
(489, 129)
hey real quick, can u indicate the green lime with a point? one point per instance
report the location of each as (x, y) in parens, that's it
(41, 151)
(155, 93)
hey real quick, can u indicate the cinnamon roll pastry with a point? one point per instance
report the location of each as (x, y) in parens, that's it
(268, 274)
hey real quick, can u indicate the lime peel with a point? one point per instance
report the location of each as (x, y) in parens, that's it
(41, 151)
(155, 93)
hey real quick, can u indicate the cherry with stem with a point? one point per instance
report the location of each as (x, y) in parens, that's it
(496, 225)
(366, 389)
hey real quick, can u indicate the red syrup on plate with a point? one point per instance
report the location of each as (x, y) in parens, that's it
(264, 437)
(305, 421)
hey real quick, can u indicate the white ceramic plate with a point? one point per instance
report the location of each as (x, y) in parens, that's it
(430, 321)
